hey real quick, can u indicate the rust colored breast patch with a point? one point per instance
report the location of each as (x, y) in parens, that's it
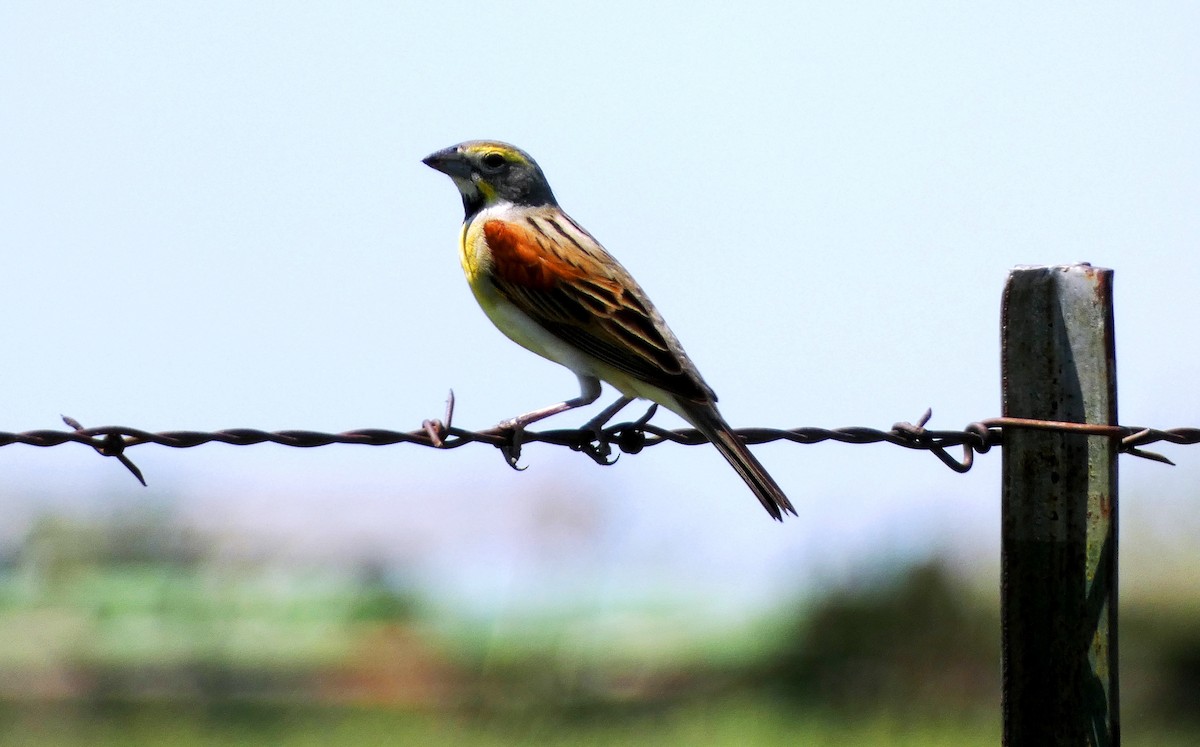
(525, 258)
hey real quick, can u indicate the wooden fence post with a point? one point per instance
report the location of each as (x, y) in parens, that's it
(1059, 510)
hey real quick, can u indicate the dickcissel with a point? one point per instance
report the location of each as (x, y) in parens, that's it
(552, 288)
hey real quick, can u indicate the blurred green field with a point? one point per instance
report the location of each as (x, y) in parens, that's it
(129, 634)
(725, 722)
(721, 723)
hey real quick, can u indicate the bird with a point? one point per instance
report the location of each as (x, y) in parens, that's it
(552, 288)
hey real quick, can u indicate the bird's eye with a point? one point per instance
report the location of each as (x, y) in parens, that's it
(493, 161)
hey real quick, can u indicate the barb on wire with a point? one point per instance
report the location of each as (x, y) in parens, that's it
(598, 443)
(111, 444)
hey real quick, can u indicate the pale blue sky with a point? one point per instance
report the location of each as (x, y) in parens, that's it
(215, 215)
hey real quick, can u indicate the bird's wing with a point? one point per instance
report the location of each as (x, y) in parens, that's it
(563, 279)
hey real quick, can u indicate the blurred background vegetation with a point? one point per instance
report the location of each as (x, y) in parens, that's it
(134, 628)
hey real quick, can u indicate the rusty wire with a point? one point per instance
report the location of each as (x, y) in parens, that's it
(628, 437)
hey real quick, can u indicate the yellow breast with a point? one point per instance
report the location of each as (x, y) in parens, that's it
(476, 261)
(469, 246)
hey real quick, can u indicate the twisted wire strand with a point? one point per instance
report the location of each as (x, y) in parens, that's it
(628, 437)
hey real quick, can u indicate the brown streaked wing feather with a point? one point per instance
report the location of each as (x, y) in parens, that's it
(563, 283)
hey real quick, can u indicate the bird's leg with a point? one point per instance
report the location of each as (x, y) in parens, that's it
(598, 447)
(597, 423)
(589, 392)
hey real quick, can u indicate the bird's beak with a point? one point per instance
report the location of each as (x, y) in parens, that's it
(450, 162)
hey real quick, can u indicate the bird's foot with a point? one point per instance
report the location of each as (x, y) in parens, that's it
(595, 443)
(513, 433)
(629, 438)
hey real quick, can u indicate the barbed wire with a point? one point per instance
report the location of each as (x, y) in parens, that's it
(598, 443)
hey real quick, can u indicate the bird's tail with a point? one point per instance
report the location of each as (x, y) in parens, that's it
(707, 420)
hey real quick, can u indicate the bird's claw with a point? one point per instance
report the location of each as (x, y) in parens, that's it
(598, 447)
(513, 433)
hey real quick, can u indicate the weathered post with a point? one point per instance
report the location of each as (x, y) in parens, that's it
(1059, 511)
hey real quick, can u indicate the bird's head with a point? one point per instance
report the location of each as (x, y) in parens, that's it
(488, 173)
